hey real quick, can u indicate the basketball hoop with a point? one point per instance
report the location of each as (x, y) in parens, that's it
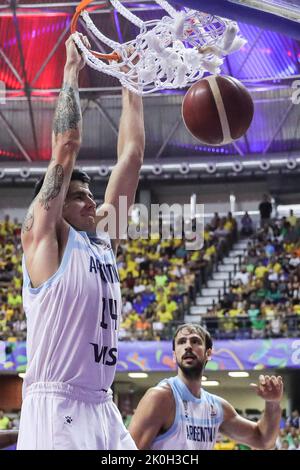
(168, 53)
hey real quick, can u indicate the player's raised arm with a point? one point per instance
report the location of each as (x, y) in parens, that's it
(131, 144)
(263, 434)
(42, 225)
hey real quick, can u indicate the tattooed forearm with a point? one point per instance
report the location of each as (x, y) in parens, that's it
(28, 221)
(52, 186)
(68, 111)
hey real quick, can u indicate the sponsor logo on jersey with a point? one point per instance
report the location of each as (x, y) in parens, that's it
(105, 355)
(68, 420)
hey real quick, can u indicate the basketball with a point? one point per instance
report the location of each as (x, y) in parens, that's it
(217, 110)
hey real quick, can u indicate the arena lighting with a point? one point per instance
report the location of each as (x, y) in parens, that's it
(211, 383)
(193, 202)
(276, 161)
(184, 168)
(197, 166)
(232, 200)
(237, 167)
(38, 171)
(224, 165)
(211, 168)
(252, 164)
(169, 167)
(157, 169)
(165, 168)
(90, 169)
(238, 374)
(291, 164)
(264, 165)
(103, 170)
(138, 375)
(146, 168)
(25, 172)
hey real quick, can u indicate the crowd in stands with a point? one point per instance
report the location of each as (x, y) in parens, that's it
(9, 420)
(160, 279)
(12, 319)
(289, 436)
(263, 296)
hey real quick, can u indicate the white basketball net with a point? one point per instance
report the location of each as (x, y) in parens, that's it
(168, 53)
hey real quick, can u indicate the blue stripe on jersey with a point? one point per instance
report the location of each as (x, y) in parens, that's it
(183, 391)
(59, 272)
(219, 405)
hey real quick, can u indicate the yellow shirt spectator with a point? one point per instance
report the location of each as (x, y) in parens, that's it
(228, 225)
(268, 311)
(292, 219)
(17, 282)
(207, 236)
(130, 320)
(195, 255)
(296, 309)
(235, 312)
(171, 306)
(260, 271)
(277, 267)
(9, 313)
(211, 250)
(220, 313)
(225, 445)
(161, 280)
(4, 422)
(14, 300)
(163, 315)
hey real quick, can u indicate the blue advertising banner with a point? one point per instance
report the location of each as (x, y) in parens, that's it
(157, 356)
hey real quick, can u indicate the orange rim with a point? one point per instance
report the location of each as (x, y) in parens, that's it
(82, 6)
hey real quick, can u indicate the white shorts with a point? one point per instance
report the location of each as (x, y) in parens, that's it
(63, 417)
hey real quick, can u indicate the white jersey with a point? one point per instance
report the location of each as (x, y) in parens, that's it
(73, 318)
(196, 423)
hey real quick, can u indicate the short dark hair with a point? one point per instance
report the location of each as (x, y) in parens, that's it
(198, 329)
(77, 174)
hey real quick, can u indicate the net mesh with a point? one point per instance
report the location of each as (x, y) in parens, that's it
(168, 53)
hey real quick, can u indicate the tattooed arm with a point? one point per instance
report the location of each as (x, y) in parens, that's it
(42, 230)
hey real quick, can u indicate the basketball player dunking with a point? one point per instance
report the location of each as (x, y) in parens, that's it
(71, 289)
(179, 414)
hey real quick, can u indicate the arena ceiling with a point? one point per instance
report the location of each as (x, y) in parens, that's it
(32, 35)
